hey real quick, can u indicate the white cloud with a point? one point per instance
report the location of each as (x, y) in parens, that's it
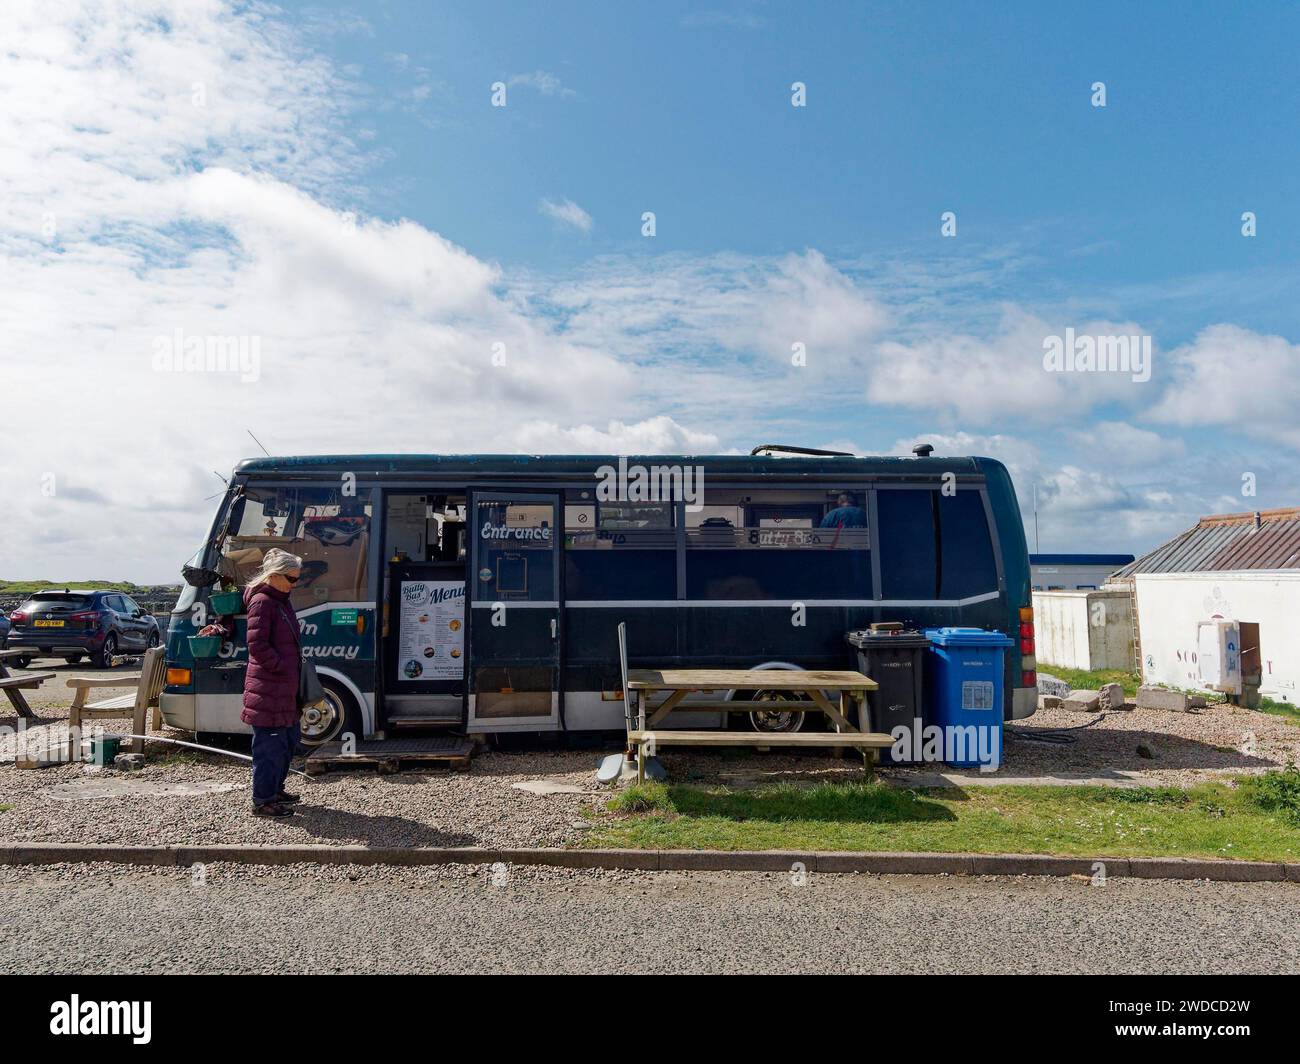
(1235, 377)
(543, 82)
(566, 212)
(1117, 443)
(658, 435)
(986, 379)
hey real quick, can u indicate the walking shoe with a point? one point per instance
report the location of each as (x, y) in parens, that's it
(285, 798)
(272, 809)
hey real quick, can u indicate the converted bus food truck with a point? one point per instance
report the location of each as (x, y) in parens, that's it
(483, 592)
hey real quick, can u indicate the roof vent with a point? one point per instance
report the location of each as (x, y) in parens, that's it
(1259, 520)
(923, 450)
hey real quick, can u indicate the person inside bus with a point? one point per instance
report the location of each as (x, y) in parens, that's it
(271, 680)
(847, 513)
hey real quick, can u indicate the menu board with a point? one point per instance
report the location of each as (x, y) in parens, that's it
(431, 630)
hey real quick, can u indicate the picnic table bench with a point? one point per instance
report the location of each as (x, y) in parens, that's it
(14, 686)
(808, 689)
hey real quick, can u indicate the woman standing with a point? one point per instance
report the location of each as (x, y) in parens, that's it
(271, 682)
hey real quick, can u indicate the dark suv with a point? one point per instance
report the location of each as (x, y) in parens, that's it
(77, 624)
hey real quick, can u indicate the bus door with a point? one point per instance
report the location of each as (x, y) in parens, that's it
(515, 611)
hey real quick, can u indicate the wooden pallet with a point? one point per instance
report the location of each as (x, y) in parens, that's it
(391, 755)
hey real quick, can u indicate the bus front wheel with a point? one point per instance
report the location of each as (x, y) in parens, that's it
(331, 718)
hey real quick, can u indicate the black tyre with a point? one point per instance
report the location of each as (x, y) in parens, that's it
(153, 640)
(332, 718)
(775, 720)
(108, 652)
(22, 662)
(73, 659)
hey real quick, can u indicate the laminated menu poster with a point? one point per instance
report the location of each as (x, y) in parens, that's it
(431, 630)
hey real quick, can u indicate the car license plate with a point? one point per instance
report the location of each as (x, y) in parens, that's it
(48, 624)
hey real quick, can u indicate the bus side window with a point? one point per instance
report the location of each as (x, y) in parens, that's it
(967, 547)
(908, 558)
(919, 560)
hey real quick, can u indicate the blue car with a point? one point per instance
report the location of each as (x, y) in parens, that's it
(74, 625)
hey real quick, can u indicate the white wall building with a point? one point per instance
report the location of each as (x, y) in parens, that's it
(1238, 567)
(1084, 629)
(1170, 606)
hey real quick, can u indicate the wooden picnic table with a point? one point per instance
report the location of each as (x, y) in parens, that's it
(13, 686)
(808, 689)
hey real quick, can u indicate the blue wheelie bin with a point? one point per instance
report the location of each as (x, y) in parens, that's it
(964, 681)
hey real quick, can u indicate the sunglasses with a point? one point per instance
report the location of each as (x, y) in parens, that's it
(291, 579)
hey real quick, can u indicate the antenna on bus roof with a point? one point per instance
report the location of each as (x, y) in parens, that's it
(258, 442)
(769, 449)
(223, 481)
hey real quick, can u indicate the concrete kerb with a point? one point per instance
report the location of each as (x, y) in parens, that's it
(954, 864)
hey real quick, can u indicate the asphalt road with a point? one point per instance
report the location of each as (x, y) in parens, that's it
(225, 918)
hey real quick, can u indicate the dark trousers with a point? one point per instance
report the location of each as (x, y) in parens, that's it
(273, 749)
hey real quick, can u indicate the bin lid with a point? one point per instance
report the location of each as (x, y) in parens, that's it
(967, 637)
(864, 638)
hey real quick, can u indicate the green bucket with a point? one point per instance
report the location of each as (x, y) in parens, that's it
(205, 646)
(226, 603)
(103, 748)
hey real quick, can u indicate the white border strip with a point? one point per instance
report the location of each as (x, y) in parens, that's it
(594, 604)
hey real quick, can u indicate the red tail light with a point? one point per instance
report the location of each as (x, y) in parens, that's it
(1028, 677)
(90, 619)
(18, 617)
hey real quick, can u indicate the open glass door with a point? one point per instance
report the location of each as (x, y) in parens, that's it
(515, 622)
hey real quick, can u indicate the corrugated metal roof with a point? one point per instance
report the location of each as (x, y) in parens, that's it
(1227, 542)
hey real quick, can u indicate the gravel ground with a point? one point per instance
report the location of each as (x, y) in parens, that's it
(481, 807)
(310, 919)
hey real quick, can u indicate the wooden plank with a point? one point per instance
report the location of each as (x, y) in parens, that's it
(127, 679)
(841, 724)
(124, 702)
(665, 707)
(675, 737)
(746, 679)
(30, 679)
(19, 703)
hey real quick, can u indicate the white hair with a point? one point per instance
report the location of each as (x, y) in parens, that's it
(275, 561)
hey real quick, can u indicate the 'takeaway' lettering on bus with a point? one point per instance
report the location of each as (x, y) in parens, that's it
(491, 531)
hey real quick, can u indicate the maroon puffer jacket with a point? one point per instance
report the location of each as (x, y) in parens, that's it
(274, 659)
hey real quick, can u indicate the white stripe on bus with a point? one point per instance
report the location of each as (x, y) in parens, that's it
(603, 604)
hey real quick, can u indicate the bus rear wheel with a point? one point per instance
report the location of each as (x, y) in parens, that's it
(334, 716)
(775, 720)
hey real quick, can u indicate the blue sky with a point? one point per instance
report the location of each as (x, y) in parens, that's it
(331, 182)
(914, 108)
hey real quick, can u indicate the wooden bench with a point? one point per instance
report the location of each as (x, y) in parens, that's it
(148, 686)
(806, 690)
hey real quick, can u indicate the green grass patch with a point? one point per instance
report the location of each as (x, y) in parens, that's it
(1256, 820)
(183, 757)
(1287, 710)
(648, 797)
(1276, 792)
(5, 808)
(28, 587)
(1082, 680)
